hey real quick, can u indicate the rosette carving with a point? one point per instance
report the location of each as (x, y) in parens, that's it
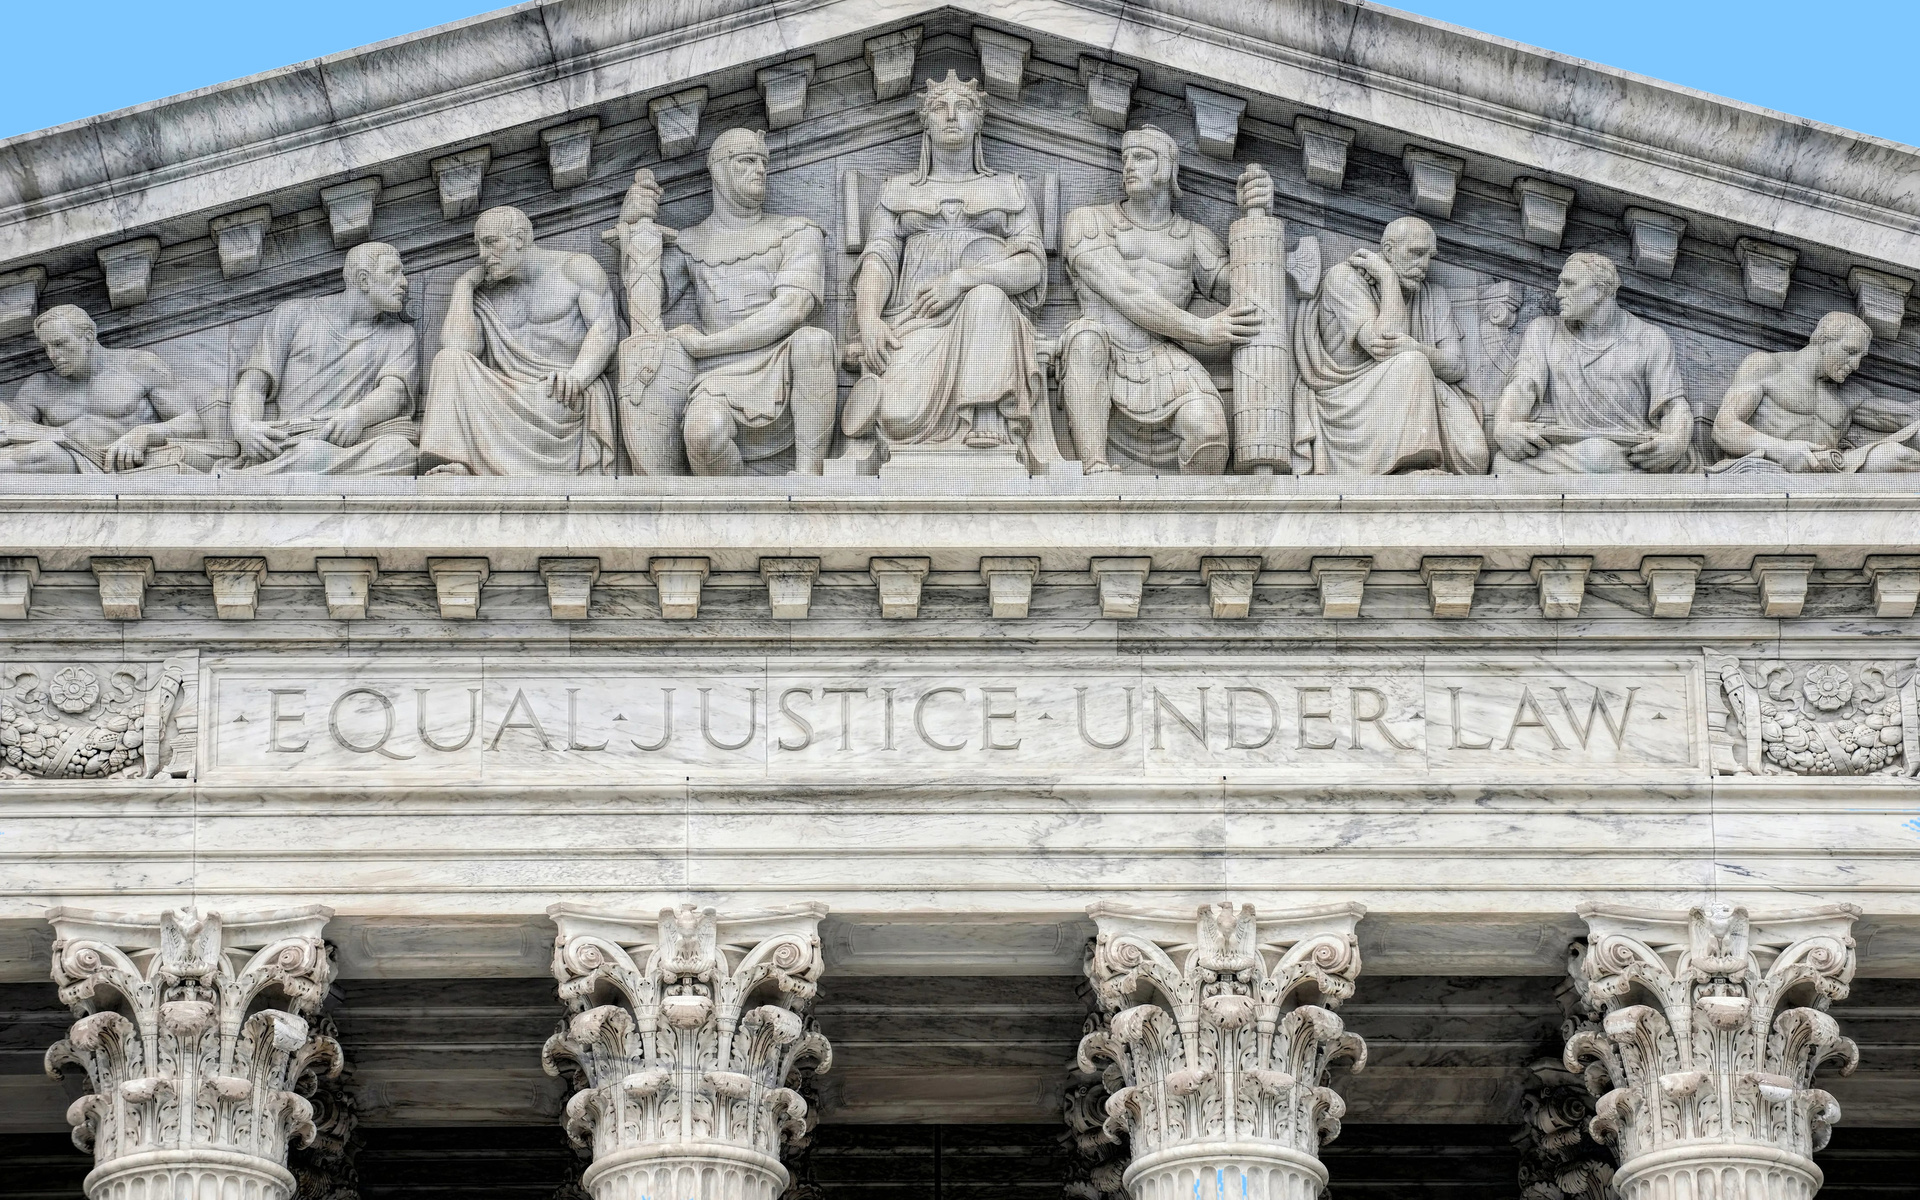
(98, 721)
(688, 1031)
(1220, 1042)
(1711, 1025)
(193, 1030)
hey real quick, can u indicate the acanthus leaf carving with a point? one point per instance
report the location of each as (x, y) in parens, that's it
(190, 1088)
(1220, 1041)
(688, 1034)
(1702, 1060)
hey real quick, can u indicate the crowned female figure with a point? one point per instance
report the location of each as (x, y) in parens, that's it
(952, 267)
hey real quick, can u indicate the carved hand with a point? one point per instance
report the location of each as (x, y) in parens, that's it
(932, 299)
(1519, 440)
(1798, 456)
(568, 388)
(1389, 344)
(691, 340)
(1234, 326)
(1372, 263)
(130, 450)
(1254, 190)
(258, 440)
(346, 427)
(877, 344)
(1662, 451)
(470, 279)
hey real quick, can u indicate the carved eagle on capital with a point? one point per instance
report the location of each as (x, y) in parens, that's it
(689, 943)
(1227, 943)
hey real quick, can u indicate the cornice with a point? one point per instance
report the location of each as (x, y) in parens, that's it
(1401, 76)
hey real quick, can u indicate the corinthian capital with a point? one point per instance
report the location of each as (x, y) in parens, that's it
(194, 1088)
(1222, 1037)
(1712, 1025)
(686, 1029)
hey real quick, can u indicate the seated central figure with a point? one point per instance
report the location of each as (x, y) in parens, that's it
(952, 267)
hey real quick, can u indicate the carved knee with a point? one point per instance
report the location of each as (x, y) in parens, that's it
(1202, 419)
(1085, 356)
(985, 296)
(708, 429)
(813, 347)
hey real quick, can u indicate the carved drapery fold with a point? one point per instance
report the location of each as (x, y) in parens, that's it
(687, 1029)
(1712, 1024)
(1221, 1037)
(194, 1032)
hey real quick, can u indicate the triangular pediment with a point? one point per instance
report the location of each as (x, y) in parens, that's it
(551, 108)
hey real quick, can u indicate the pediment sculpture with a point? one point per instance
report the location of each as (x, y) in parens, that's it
(956, 320)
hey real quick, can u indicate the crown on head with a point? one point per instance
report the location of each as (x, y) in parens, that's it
(953, 85)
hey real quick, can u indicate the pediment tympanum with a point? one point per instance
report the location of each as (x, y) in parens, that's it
(592, 240)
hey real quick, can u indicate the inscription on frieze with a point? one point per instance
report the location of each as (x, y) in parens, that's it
(860, 721)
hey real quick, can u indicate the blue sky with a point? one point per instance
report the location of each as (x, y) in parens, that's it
(1845, 64)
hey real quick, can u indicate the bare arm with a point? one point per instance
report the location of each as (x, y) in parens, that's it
(175, 416)
(787, 312)
(1732, 430)
(460, 330)
(1885, 414)
(870, 291)
(1105, 271)
(1514, 429)
(1014, 274)
(603, 329)
(1391, 317)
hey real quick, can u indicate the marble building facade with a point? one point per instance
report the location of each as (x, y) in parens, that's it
(876, 598)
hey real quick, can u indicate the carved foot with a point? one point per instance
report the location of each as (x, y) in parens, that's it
(1094, 466)
(452, 468)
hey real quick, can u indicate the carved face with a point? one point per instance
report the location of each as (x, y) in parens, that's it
(951, 119)
(1841, 358)
(68, 347)
(502, 251)
(385, 283)
(1410, 254)
(1143, 171)
(743, 177)
(1581, 296)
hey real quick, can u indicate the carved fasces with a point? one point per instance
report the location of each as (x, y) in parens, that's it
(89, 720)
(688, 1030)
(191, 1081)
(1815, 718)
(1221, 1036)
(1702, 1059)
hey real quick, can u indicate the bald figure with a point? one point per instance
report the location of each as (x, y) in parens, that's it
(519, 387)
(97, 410)
(1380, 361)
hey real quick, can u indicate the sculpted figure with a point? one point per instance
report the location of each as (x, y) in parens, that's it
(1135, 266)
(1379, 355)
(97, 410)
(518, 388)
(342, 372)
(952, 269)
(763, 379)
(1594, 391)
(1785, 412)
